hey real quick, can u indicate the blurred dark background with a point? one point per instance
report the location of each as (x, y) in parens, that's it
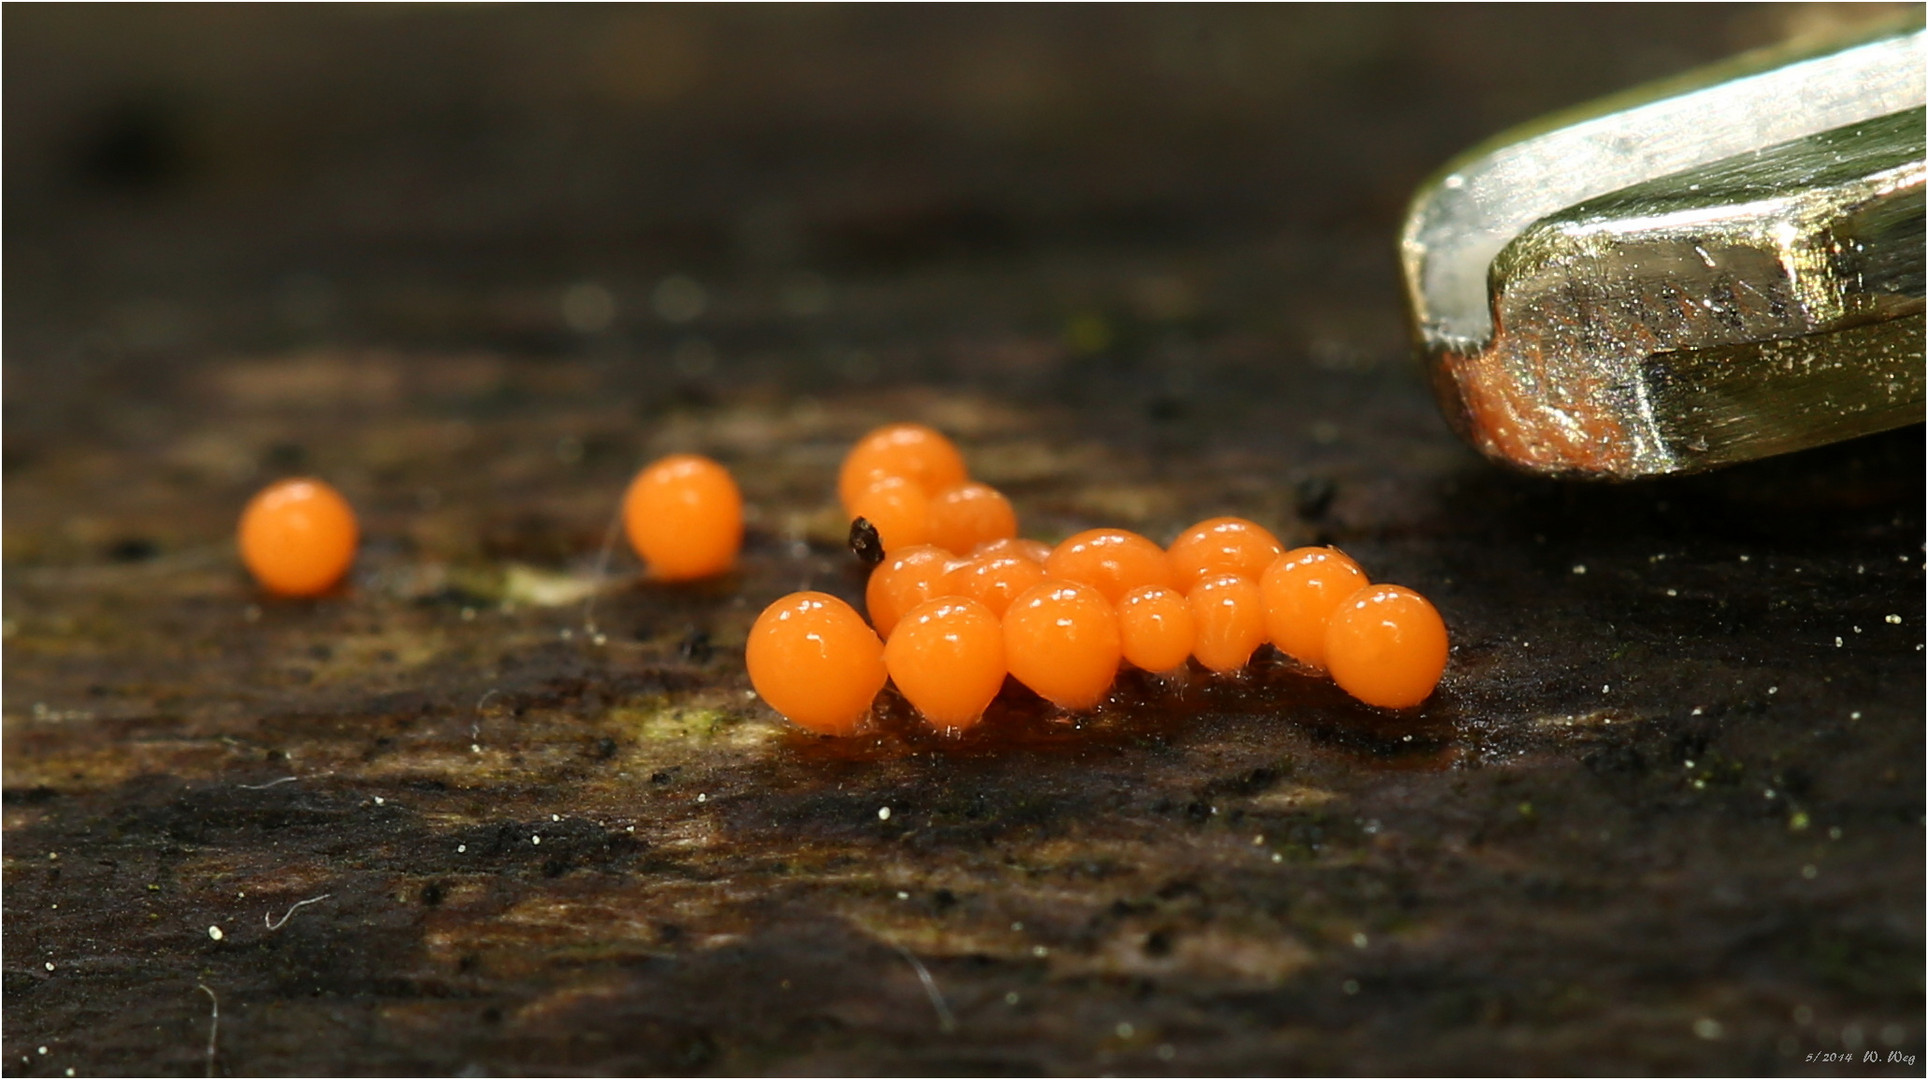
(188, 179)
(1172, 215)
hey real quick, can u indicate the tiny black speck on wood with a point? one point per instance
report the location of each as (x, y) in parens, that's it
(865, 543)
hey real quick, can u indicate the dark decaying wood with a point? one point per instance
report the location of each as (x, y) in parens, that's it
(474, 266)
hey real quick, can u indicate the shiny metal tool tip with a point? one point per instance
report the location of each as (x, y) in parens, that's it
(1709, 270)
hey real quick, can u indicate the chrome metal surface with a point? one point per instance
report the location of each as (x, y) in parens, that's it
(1716, 269)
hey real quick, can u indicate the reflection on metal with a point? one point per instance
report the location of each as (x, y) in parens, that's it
(1716, 269)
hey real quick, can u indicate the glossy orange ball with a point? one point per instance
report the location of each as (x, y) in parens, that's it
(298, 537)
(1229, 616)
(684, 517)
(1386, 645)
(947, 659)
(1112, 561)
(994, 580)
(913, 451)
(1062, 641)
(904, 580)
(1035, 550)
(898, 509)
(1301, 589)
(1222, 545)
(971, 514)
(1156, 627)
(812, 658)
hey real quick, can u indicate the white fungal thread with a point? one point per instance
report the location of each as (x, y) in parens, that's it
(475, 725)
(602, 565)
(214, 1023)
(269, 784)
(946, 1022)
(298, 905)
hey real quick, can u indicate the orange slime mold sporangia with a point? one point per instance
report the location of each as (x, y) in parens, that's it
(1061, 639)
(684, 517)
(905, 579)
(947, 658)
(994, 580)
(1229, 617)
(298, 537)
(1386, 646)
(970, 514)
(1035, 550)
(912, 451)
(1301, 589)
(1155, 625)
(1222, 545)
(812, 658)
(898, 509)
(1112, 561)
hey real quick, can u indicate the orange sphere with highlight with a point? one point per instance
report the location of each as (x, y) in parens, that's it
(1301, 589)
(1386, 645)
(970, 514)
(1222, 545)
(913, 451)
(1062, 641)
(1035, 550)
(1112, 561)
(898, 509)
(684, 517)
(812, 658)
(904, 580)
(1156, 627)
(995, 581)
(947, 659)
(298, 537)
(1229, 616)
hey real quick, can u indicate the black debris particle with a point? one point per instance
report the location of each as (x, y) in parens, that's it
(865, 543)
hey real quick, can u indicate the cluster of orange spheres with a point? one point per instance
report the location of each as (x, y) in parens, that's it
(959, 603)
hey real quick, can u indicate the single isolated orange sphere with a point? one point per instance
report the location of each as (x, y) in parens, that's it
(1386, 646)
(898, 509)
(1035, 550)
(812, 659)
(1156, 627)
(1222, 545)
(1112, 561)
(1301, 589)
(1062, 641)
(947, 659)
(994, 581)
(970, 514)
(904, 580)
(684, 517)
(1229, 616)
(298, 537)
(912, 451)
